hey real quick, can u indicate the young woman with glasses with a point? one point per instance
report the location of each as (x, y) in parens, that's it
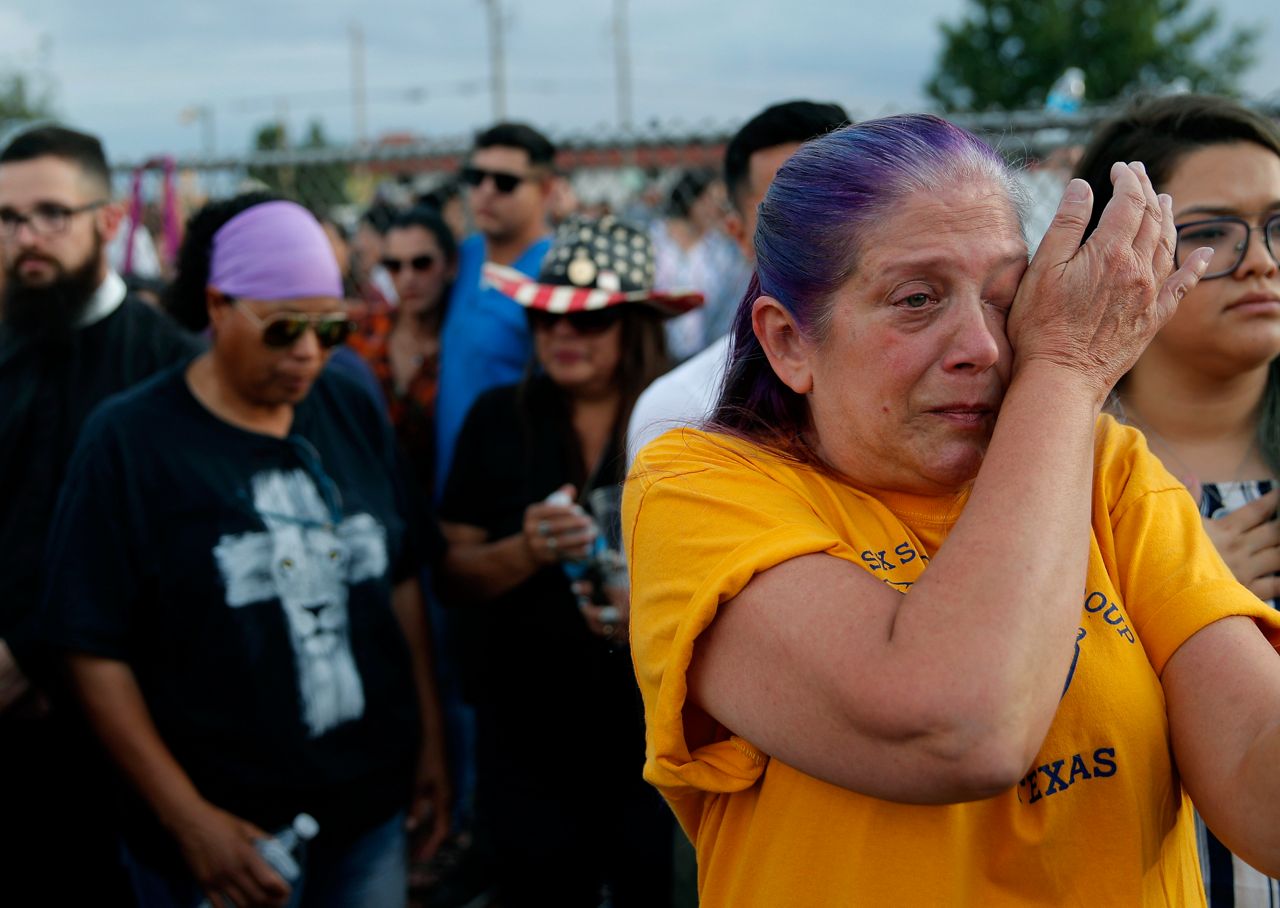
(1206, 392)
(237, 560)
(402, 344)
(560, 735)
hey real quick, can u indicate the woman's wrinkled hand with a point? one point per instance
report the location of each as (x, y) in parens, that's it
(1094, 308)
(558, 532)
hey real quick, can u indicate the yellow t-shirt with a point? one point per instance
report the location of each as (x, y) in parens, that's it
(1100, 819)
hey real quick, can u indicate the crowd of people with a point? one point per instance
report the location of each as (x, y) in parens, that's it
(498, 568)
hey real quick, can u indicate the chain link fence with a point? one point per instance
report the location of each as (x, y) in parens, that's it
(623, 172)
(620, 172)
(648, 177)
(611, 169)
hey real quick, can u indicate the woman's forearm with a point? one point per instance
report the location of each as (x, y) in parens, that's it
(478, 571)
(999, 606)
(1256, 803)
(945, 693)
(1222, 696)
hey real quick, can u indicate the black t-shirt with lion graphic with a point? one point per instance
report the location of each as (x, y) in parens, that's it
(246, 580)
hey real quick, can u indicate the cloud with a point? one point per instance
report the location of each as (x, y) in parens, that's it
(128, 73)
(20, 38)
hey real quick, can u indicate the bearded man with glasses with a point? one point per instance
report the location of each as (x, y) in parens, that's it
(70, 336)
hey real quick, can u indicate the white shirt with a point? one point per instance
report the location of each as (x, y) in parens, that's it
(685, 396)
(146, 261)
(106, 299)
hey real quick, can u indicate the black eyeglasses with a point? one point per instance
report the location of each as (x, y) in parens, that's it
(417, 263)
(594, 321)
(47, 218)
(1229, 238)
(283, 329)
(503, 182)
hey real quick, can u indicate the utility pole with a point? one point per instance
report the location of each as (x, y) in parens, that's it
(497, 62)
(203, 113)
(206, 122)
(622, 59)
(359, 96)
(282, 121)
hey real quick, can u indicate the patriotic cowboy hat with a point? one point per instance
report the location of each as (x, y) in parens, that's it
(593, 264)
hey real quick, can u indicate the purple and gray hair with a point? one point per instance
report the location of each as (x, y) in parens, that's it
(808, 241)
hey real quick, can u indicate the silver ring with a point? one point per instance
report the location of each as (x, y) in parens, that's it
(544, 528)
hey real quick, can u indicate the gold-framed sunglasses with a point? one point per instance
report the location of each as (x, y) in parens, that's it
(283, 329)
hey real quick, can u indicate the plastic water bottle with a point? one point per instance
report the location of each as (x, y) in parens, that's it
(286, 850)
(1067, 92)
(576, 570)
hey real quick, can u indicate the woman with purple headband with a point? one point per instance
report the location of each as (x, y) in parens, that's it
(914, 623)
(234, 569)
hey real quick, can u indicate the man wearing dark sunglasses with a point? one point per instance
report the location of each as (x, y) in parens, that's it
(71, 336)
(281, 329)
(485, 342)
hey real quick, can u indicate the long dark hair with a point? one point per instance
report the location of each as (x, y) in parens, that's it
(1160, 132)
(430, 220)
(642, 358)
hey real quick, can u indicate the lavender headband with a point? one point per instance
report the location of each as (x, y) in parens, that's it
(274, 251)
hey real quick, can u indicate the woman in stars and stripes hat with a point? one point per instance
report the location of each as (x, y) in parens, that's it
(560, 732)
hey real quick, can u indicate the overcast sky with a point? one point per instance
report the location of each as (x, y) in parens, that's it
(127, 70)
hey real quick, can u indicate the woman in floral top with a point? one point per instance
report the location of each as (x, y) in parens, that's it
(402, 344)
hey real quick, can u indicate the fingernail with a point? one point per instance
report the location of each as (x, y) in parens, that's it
(1139, 166)
(1165, 199)
(1077, 191)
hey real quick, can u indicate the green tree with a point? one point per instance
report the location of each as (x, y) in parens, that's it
(1005, 54)
(270, 137)
(320, 185)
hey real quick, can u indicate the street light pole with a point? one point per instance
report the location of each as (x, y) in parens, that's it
(203, 113)
(206, 117)
(622, 59)
(359, 96)
(497, 62)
